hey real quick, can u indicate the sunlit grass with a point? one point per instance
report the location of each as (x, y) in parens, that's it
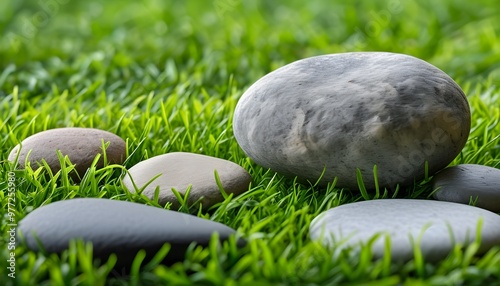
(166, 76)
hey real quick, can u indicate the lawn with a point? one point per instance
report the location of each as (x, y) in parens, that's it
(166, 76)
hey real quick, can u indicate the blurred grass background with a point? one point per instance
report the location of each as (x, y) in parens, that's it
(74, 43)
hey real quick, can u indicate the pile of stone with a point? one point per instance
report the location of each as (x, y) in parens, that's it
(328, 117)
(338, 116)
(120, 227)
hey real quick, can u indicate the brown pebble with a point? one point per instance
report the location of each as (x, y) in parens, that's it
(81, 145)
(179, 170)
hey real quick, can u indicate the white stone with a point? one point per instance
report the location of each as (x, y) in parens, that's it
(354, 110)
(433, 226)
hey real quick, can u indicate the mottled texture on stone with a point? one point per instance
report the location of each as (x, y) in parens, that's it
(469, 183)
(438, 225)
(179, 170)
(354, 110)
(117, 227)
(81, 145)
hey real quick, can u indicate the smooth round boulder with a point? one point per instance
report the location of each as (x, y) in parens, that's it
(469, 183)
(433, 226)
(81, 145)
(180, 170)
(118, 227)
(341, 112)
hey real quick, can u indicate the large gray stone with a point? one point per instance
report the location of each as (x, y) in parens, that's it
(179, 170)
(81, 145)
(436, 227)
(469, 183)
(117, 227)
(354, 110)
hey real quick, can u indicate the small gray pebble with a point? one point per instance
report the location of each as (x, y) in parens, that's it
(469, 183)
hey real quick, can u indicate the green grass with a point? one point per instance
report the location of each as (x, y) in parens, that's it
(166, 76)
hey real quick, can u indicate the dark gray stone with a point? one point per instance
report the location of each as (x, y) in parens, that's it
(81, 145)
(438, 226)
(469, 183)
(354, 110)
(117, 227)
(179, 170)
